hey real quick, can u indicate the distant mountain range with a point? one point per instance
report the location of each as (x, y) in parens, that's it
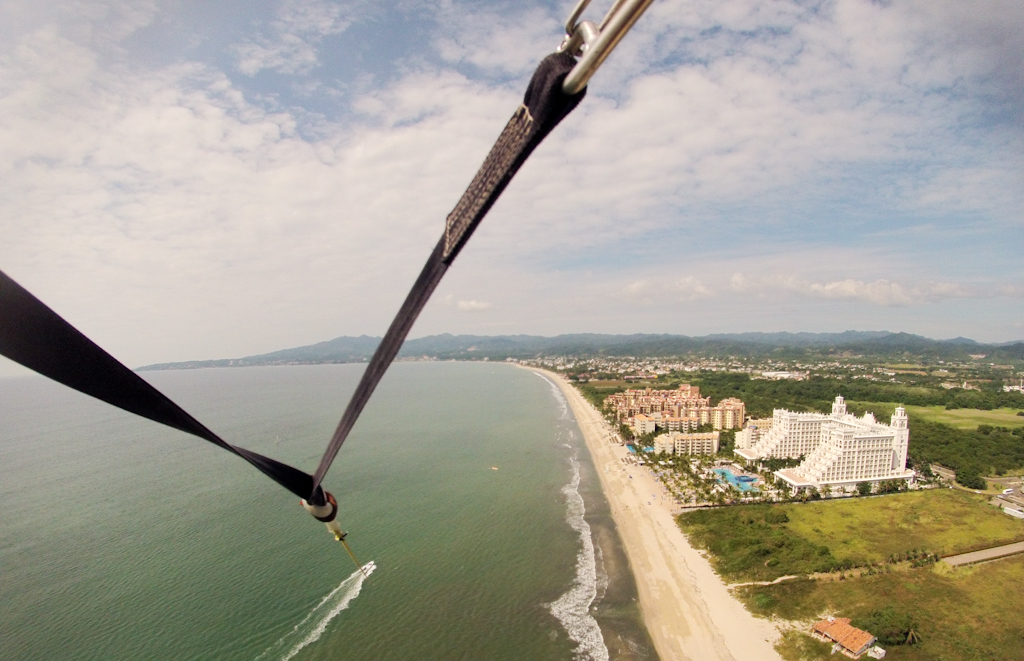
(499, 347)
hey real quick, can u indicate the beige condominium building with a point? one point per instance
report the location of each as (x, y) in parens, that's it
(679, 443)
(682, 409)
(839, 449)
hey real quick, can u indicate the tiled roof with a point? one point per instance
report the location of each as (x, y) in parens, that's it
(840, 631)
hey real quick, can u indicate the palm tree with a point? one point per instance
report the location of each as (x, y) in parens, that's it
(913, 637)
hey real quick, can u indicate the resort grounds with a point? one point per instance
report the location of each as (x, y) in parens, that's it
(689, 611)
(876, 560)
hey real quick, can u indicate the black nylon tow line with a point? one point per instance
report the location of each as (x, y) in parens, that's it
(543, 107)
(38, 338)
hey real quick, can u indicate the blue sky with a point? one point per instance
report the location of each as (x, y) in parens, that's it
(190, 180)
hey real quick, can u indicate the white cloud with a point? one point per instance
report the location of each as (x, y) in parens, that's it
(753, 138)
(687, 288)
(144, 204)
(690, 288)
(739, 282)
(292, 42)
(1015, 290)
(473, 306)
(877, 292)
(638, 287)
(511, 42)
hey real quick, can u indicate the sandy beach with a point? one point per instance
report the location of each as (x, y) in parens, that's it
(687, 608)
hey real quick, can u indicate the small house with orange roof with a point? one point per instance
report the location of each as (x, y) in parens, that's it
(849, 640)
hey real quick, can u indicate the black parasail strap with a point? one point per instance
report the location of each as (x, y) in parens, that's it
(543, 107)
(38, 338)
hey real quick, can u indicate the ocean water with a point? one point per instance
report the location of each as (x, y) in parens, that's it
(121, 539)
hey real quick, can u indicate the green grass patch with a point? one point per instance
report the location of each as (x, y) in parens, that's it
(871, 530)
(763, 542)
(882, 410)
(798, 646)
(959, 418)
(987, 442)
(753, 543)
(960, 614)
(968, 418)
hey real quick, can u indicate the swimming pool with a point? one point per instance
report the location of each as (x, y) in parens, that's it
(743, 482)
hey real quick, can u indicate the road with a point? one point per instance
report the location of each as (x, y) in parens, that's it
(984, 554)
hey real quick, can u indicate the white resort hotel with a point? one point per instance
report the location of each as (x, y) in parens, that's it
(840, 449)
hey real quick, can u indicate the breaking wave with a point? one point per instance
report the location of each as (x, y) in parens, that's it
(572, 609)
(557, 392)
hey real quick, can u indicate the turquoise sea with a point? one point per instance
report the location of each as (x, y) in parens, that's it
(121, 539)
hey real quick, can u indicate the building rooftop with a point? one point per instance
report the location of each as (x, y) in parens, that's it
(839, 630)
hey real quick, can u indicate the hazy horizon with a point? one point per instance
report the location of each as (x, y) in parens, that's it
(186, 181)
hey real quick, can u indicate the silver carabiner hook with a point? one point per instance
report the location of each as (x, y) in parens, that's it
(593, 43)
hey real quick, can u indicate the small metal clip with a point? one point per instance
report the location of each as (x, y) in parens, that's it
(593, 43)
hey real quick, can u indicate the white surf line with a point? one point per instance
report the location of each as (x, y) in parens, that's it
(309, 630)
(557, 393)
(572, 609)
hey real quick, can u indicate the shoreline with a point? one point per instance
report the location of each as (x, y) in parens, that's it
(687, 608)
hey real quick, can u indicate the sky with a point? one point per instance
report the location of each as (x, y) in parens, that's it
(188, 180)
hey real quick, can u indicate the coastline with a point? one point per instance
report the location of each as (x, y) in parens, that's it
(688, 610)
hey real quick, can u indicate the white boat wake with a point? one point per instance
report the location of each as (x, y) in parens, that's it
(309, 630)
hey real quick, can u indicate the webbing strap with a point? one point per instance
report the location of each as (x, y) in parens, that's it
(543, 107)
(38, 338)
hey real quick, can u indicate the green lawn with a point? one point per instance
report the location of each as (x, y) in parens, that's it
(763, 542)
(752, 543)
(963, 614)
(968, 418)
(959, 418)
(943, 521)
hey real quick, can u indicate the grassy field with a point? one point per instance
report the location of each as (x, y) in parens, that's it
(943, 521)
(763, 542)
(752, 543)
(960, 614)
(959, 418)
(963, 614)
(968, 418)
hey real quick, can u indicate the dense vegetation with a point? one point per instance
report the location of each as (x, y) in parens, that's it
(919, 609)
(763, 542)
(968, 614)
(890, 626)
(753, 543)
(762, 396)
(984, 451)
(878, 345)
(817, 393)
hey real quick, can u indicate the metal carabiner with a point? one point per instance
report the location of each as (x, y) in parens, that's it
(593, 43)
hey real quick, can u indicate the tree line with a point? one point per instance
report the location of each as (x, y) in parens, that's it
(817, 393)
(972, 453)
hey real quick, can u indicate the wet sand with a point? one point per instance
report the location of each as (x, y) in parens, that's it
(687, 608)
